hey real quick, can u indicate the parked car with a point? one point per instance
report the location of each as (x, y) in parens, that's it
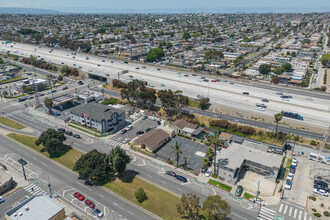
(208, 172)
(239, 190)
(145, 117)
(158, 122)
(98, 213)
(69, 133)
(65, 87)
(294, 161)
(148, 129)
(78, 196)
(61, 129)
(2, 199)
(76, 136)
(89, 203)
(181, 178)
(123, 131)
(130, 127)
(289, 177)
(170, 173)
(139, 132)
(153, 119)
(321, 192)
(320, 182)
(288, 185)
(264, 100)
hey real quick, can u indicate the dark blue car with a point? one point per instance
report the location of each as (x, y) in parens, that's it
(181, 178)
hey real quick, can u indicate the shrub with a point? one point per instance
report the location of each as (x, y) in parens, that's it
(140, 195)
(326, 213)
(277, 180)
(214, 175)
(317, 214)
(323, 88)
(313, 143)
(220, 123)
(314, 210)
(322, 205)
(312, 198)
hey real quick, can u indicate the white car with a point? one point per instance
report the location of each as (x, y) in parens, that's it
(130, 127)
(153, 119)
(261, 109)
(2, 200)
(126, 140)
(98, 212)
(289, 177)
(208, 172)
(321, 192)
(286, 99)
(294, 163)
(288, 185)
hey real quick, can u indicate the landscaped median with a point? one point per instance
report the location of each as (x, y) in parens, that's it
(159, 202)
(220, 185)
(10, 123)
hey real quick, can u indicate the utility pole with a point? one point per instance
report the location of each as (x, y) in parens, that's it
(326, 136)
(50, 189)
(258, 192)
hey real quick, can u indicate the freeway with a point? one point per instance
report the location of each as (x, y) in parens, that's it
(315, 111)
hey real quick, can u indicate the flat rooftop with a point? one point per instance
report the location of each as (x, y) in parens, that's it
(59, 100)
(36, 207)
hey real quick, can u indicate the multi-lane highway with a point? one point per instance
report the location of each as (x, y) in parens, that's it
(314, 107)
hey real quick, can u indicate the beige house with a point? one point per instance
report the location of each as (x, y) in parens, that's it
(152, 140)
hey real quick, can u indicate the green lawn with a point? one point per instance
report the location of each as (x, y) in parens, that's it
(84, 130)
(220, 185)
(160, 202)
(67, 159)
(10, 123)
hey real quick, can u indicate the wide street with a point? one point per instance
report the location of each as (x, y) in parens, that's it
(315, 112)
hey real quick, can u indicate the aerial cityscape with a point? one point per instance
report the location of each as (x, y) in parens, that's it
(138, 110)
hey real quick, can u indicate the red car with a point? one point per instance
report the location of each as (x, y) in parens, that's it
(78, 196)
(89, 203)
(213, 81)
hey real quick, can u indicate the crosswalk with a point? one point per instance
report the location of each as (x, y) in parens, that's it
(35, 190)
(266, 214)
(293, 212)
(16, 112)
(114, 142)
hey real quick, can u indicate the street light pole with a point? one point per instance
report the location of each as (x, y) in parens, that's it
(50, 189)
(22, 162)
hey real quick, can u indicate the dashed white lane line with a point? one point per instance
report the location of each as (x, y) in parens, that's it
(179, 189)
(101, 195)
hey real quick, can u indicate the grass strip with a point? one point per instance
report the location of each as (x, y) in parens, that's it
(220, 185)
(10, 123)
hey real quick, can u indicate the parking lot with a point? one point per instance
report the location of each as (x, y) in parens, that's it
(194, 151)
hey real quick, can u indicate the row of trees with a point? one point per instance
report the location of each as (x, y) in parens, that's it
(66, 70)
(233, 126)
(155, 54)
(138, 94)
(32, 60)
(66, 42)
(173, 102)
(266, 68)
(213, 208)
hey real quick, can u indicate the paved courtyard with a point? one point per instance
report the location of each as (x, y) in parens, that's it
(194, 151)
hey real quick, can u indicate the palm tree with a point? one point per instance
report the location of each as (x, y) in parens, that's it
(215, 140)
(278, 117)
(177, 151)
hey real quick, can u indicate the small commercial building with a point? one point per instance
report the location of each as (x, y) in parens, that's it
(236, 156)
(6, 182)
(36, 84)
(186, 128)
(36, 207)
(152, 140)
(89, 96)
(97, 116)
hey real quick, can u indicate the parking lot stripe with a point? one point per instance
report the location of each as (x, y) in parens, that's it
(280, 209)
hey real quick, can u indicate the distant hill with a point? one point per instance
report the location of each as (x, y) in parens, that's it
(35, 11)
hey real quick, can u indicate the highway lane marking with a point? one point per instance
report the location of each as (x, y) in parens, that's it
(101, 195)
(238, 216)
(179, 189)
(43, 163)
(130, 212)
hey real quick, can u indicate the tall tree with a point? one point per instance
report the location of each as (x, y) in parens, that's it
(189, 206)
(177, 151)
(216, 208)
(215, 141)
(94, 166)
(180, 101)
(49, 104)
(265, 68)
(52, 141)
(118, 159)
(204, 102)
(186, 35)
(277, 117)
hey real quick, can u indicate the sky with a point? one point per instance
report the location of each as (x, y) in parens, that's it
(172, 6)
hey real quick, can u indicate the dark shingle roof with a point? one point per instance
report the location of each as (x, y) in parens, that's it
(96, 111)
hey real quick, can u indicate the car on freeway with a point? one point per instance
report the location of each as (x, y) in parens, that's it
(213, 80)
(286, 99)
(260, 109)
(231, 83)
(321, 192)
(264, 100)
(76, 136)
(208, 172)
(309, 99)
(123, 131)
(65, 87)
(279, 93)
(186, 75)
(31, 97)
(74, 65)
(239, 190)
(69, 133)
(78, 196)
(137, 68)
(181, 178)
(130, 127)
(144, 67)
(126, 140)
(2, 199)
(193, 74)
(289, 177)
(246, 93)
(139, 132)
(62, 63)
(107, 74)
(205, 80)
(162, 85)
(61, 129)
(42, 94)
(97, 212)
(80, 82)
(111, 61)
(98, 65)
(103, 61)
(170, 173)
(202, 77)
(89, 203)
(158, 69)
(261, 105)
(288, 185)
